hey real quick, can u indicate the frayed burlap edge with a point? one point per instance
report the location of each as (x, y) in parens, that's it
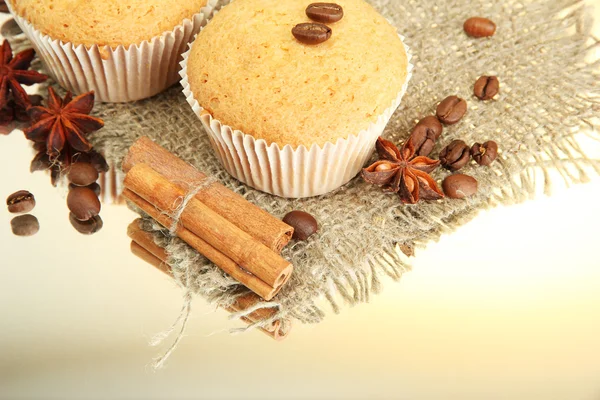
(549, 144)
(543, 54)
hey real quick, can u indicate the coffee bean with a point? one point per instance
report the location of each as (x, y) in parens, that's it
(433, 124)
(459, 186)
(424, 135)
(83, 203)
(94, 186)
(451, 110)
(485, 154)
(479, 27)
(304, 224)
(455, 156)
(325, 12)
(25, 225)
(486, 87)
(89, 227)
(311, 33)
(20, 202)
(82, 174)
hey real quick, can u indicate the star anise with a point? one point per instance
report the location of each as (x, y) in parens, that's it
(399, 171)
(64, 123)
(14, 73)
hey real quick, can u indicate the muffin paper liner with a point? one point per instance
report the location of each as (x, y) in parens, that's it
(289, 172)
(120, 74)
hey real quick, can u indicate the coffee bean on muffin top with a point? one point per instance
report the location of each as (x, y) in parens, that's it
(249, 72)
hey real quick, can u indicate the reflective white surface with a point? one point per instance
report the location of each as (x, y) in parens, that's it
(508, 307)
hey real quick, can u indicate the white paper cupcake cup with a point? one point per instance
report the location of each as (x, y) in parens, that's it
(120, 74)
(289, 172)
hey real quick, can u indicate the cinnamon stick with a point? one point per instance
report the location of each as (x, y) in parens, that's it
(252, 282)
(267, 229)
(250, 300)
(242, 303)
(139, 251)
(274, 330)
(137, 234)
(240, 247)
(144, 247)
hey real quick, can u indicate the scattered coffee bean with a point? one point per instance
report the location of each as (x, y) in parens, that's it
(424, 135)
(311, 33)
(459, 186)
(486, 87)
(455, 156)
(83, 203)
(325, 12)
(485, 154)
(433, 124)
(451, 110)
(304, 224)
(479, 27)
(25, 225)
(82, 174)
(89, 227)
(94, 186)
(20, 202)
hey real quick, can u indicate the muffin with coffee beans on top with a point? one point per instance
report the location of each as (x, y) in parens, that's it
(293, 97)
(124, 50)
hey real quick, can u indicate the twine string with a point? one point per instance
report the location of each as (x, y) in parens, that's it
(176, 214)
(185, 312)
(534, 122)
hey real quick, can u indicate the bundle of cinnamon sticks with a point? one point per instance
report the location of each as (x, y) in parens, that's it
(240, 238)
(144, 247)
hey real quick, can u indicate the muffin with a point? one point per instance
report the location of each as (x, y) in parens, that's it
(289, 118)
(124, 50)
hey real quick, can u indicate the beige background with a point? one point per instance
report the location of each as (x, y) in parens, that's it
(508, 307)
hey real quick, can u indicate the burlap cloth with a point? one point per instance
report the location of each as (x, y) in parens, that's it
(549, 94)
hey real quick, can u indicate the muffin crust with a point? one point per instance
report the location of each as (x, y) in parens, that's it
(248, 71)
(106, 22)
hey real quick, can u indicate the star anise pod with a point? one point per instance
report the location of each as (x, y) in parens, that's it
(399, 171)
(64, 123)
(14, 73)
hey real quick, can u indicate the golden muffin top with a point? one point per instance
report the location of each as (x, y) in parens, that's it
(248, 71)
(106, 22)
